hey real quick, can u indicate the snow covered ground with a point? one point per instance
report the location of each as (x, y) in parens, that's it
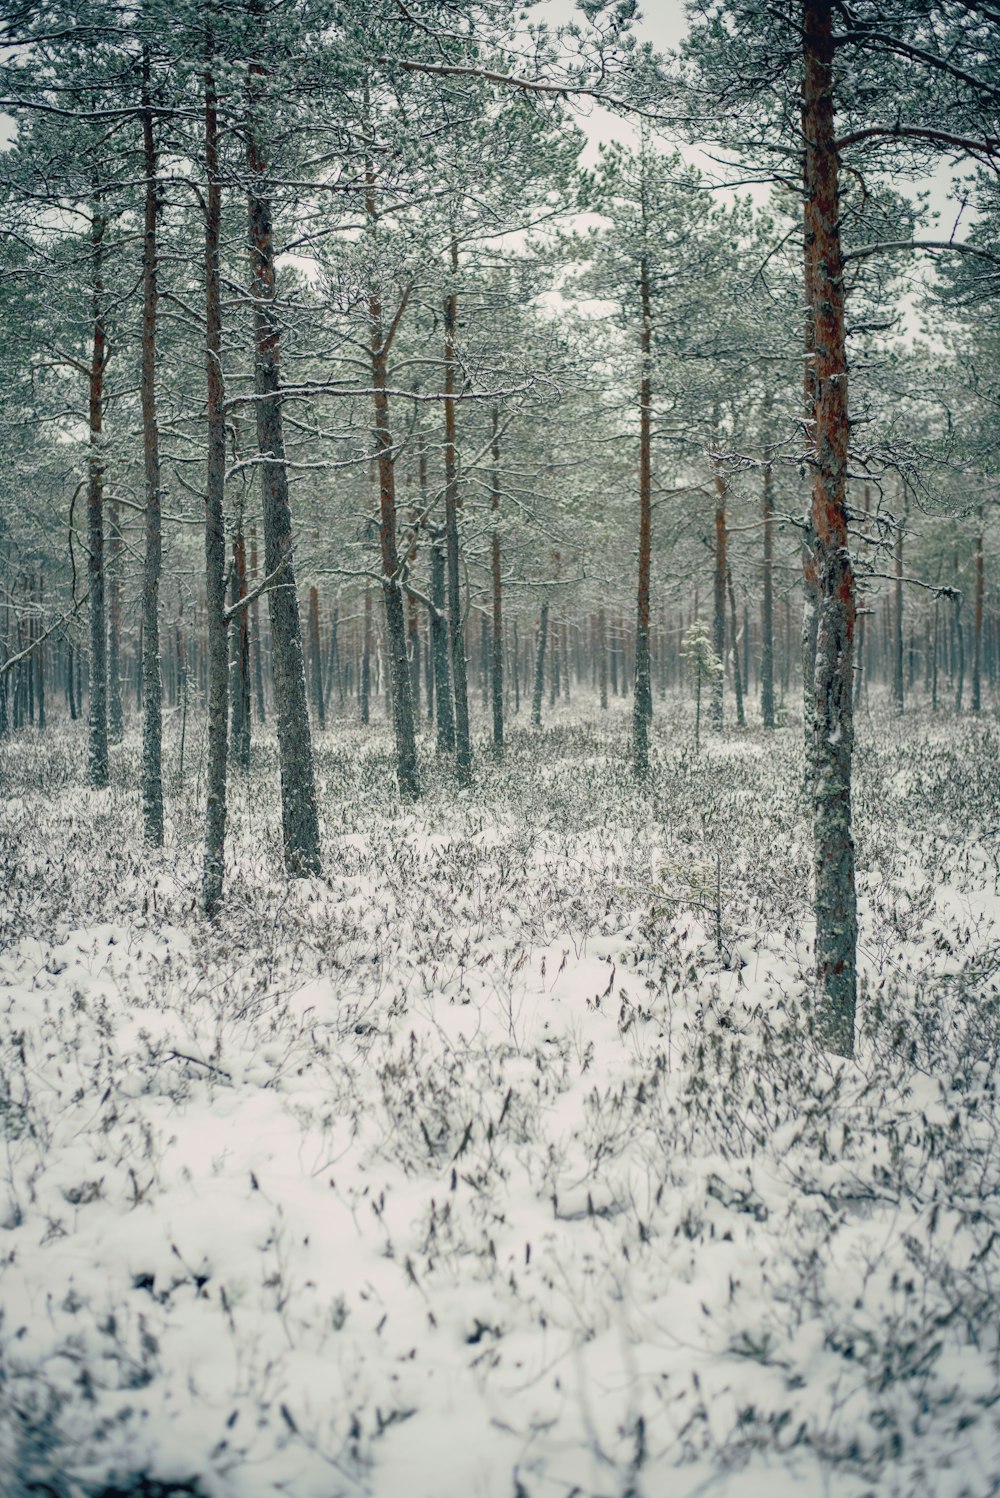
(498, 1163)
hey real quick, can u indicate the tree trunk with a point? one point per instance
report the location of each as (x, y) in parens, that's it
(413, 630)
(439, 648)
(959, 640)
(319, 705)
(392, 593)
(715, 714)
(602, 656)
(38, 660)
(898, 693)
(365, 676)
(463, 742)
(113, 584)
(255, 642)
(859, 675)
(215, 530)
(767, 606)
(239, 674)
(152, 691)
(642, 705)
(497, 581)
(833, 720)
(299, 815)
(539, 683)
(98, 714)
(553, 661)
(741, 721)
(977, 622)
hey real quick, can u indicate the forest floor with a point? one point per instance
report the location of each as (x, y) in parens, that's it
(498, 1163)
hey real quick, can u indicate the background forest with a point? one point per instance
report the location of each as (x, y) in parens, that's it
(499, 651)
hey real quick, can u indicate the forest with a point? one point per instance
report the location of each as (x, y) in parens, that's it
(499, 740)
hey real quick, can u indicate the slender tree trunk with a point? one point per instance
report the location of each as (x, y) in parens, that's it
(715, 714)
(977, 622)
(440, 647)
(113, 581)
(934, 654)
(319, 705)
(807, 645)
(833, 720)
(463, 741)
(553, 661)
(215, 530)
(255, 643)
(392, 593)
(38, 661)
(898, 692)
(602, 656)
(767, 605)
(642, 704)
(299, 814)
(152, 691)
(539, 683)
(239, 675)
(413, 627)
(859, 675)
(365, 677)
(959, 640)
(497, 580)
(70, 689)
(516, 661)
(741, 721)
(98, 713)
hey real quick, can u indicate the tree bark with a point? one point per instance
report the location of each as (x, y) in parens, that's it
(859, 675)
(98, 713)
(215, 530)
(239, 673)
(299, 814)
(497, 580)
(833, 720)
(255, 641)
(977, 622)
(642, 705)
(365, 676)
(767, 605)
(152, 690)
(737, 679)
(539, 683)
(319, 705)
(392, 593)
(898, 691)
(715, 715)
(459, 673)
(113, 583)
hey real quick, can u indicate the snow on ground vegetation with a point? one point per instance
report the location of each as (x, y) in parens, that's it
(499, 1163)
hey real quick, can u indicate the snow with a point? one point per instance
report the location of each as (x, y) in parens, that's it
(474, 1168)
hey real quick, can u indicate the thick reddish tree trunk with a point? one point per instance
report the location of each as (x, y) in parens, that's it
(833, 721)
